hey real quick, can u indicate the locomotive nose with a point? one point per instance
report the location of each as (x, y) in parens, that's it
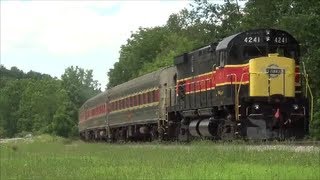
(272, 75)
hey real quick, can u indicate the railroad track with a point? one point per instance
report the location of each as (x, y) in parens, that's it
(286, 142)
(300, 143)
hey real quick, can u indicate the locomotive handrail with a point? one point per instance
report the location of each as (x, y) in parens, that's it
(208, 80)
(310, 92)
(241, 79)
(236, 97)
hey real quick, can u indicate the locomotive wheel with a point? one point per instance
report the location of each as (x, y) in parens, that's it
(153, 133)
(226, 130)
(161, 131)
(122, 135)
(116, 135)
(184, 135)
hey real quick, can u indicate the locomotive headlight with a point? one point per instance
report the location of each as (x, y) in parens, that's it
(295, 106)
(256, 106)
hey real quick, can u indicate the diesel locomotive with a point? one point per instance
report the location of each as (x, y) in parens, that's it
(248, 85)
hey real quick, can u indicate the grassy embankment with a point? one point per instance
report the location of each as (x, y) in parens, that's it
(55, 158)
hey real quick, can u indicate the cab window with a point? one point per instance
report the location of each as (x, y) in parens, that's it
(222, 58)
(254, 51)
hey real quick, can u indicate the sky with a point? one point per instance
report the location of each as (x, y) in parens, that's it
(49, 36)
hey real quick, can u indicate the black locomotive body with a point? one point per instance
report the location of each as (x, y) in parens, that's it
(247, 85)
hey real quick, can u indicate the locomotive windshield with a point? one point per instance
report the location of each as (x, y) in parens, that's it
(257, 43)
(263, 50)
(264, 42)
(254, 51)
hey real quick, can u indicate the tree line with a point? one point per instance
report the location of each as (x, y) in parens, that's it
(149, 49)
(38, 103)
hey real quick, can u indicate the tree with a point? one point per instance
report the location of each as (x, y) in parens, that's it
(10, 97)
(39, 102)
(79, 86)
(149, 49)
(62, 120)
(142, 47)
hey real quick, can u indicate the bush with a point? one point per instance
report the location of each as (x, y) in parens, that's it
(2, 132)
(23, 134)
(315, 124)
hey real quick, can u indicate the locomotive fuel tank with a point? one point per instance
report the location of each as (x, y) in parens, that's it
(206, 127)
(144, 130)
(203, 127)
(193, 128)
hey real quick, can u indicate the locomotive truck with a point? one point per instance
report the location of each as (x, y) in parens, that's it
(248, 85)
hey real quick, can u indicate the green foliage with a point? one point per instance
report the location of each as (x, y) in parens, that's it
(62, 122)
(39, 102)
(315, 125)
(36, 103)
(79, 86)
(149, 49)
(10, 97)
(2, 132)
(15, 73)
(142, 47)
(171, 46)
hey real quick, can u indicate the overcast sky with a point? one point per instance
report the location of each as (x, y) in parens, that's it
(48, 36)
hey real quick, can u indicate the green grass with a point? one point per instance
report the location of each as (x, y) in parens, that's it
(55, 158)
